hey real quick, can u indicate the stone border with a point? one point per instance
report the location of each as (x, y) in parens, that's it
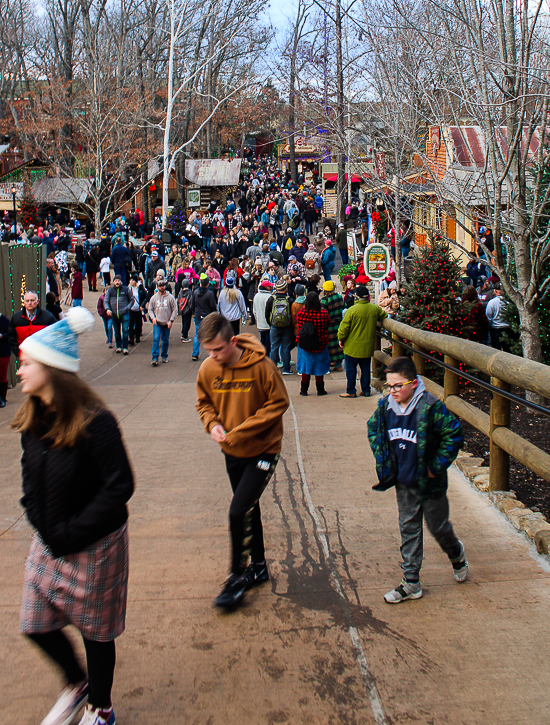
(532, 523)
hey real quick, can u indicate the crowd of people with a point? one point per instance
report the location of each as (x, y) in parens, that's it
(260, 261)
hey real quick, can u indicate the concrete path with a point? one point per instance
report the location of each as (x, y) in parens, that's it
(317, 644)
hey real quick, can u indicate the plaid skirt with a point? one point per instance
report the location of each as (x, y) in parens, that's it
(88, 589)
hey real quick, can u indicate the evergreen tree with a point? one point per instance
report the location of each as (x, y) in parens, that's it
(28, 213)
(430, 299)
(177, 219)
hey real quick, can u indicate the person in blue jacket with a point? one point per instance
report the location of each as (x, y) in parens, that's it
(328, 259)
(118, 258)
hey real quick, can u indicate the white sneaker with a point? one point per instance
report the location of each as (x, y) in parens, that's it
(460, 566)
(406, 590)
(95, 716)
(69, 702)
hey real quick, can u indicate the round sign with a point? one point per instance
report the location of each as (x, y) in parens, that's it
(376, 261)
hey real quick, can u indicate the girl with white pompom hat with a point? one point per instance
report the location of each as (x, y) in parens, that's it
(76, 482)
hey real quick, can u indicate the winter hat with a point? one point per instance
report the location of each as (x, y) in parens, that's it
(185, 284)
(273, 246)
(328, 243)
(56, 345)
(299, 290)
(393, 285)
(311, 247)
(281, 286)
(229, 281)
(117, 276)
(192, 253)
(266, 284)
(203, 280)
(362, 293)
(328, 286)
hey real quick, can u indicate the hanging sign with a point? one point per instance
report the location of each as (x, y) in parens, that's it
(376, 261)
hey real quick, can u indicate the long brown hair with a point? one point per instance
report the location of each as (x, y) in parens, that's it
(74, 404)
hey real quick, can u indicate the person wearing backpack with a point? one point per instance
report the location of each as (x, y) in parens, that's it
(313, 358)
(312, 261)
(185, 308)
(278, 313)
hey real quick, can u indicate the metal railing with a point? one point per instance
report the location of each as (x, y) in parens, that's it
(504, 370)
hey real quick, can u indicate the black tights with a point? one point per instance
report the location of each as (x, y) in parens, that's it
(100, 659)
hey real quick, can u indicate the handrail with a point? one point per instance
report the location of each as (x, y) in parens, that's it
(472, 378)
(512, 369)
(505, 370)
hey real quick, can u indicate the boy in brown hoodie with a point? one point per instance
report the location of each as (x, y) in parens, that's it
(241, 399)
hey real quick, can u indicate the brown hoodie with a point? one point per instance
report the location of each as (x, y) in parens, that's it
(248, 399)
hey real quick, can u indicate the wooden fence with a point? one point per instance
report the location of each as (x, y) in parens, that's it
(22, 268)
(504, 370)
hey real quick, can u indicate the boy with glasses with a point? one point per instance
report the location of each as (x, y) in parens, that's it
(415, 439)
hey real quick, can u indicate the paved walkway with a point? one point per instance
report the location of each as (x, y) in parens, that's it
(317, 644)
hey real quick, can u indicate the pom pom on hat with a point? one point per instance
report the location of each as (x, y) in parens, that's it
(80, 320)
(57, 345)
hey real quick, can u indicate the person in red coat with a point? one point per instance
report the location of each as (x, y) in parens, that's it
(27, 321)
(76, 285)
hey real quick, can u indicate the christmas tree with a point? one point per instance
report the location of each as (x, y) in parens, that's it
(28, 213)
(430, 299)
(177, 219)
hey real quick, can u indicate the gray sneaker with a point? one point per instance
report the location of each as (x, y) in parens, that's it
(406, 590)
(460, 566)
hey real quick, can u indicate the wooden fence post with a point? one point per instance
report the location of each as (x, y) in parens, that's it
(419, 361)
(499, 463)
(396, 348)
(450, 386)
(375, 364)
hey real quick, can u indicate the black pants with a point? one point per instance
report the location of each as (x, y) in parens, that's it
(100, 660)
(135, 327)
(236, 325)
(496, 340)
(185, 325)
(249, 478)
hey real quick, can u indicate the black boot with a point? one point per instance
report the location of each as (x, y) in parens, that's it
(3, 393)
(321, 388)
(304, 388)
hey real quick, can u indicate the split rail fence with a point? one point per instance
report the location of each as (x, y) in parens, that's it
(505, 370)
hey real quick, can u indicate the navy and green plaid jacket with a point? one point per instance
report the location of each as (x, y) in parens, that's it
(438, 438)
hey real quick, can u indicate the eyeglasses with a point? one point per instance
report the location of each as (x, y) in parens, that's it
(397, 387)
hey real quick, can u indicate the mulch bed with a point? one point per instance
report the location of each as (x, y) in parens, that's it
(531, 490)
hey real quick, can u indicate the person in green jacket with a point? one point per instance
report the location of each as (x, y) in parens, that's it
(356, 337)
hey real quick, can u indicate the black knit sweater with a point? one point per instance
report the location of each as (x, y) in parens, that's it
(76, 496)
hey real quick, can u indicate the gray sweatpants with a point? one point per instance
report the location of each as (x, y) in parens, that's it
(436, 513)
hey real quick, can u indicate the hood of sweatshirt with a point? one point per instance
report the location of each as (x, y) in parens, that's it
(398, 410)
(254, 351)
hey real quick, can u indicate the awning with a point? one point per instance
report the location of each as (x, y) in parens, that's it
(334, 177)
(61, 191)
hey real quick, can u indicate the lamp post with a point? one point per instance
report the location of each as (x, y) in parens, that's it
(13, 192)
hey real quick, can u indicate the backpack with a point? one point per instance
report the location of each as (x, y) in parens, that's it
(308, 339)
(318, 202)
(280, 312)
(294, 223)
(183, 302)
(289, 244)
(310, 263)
